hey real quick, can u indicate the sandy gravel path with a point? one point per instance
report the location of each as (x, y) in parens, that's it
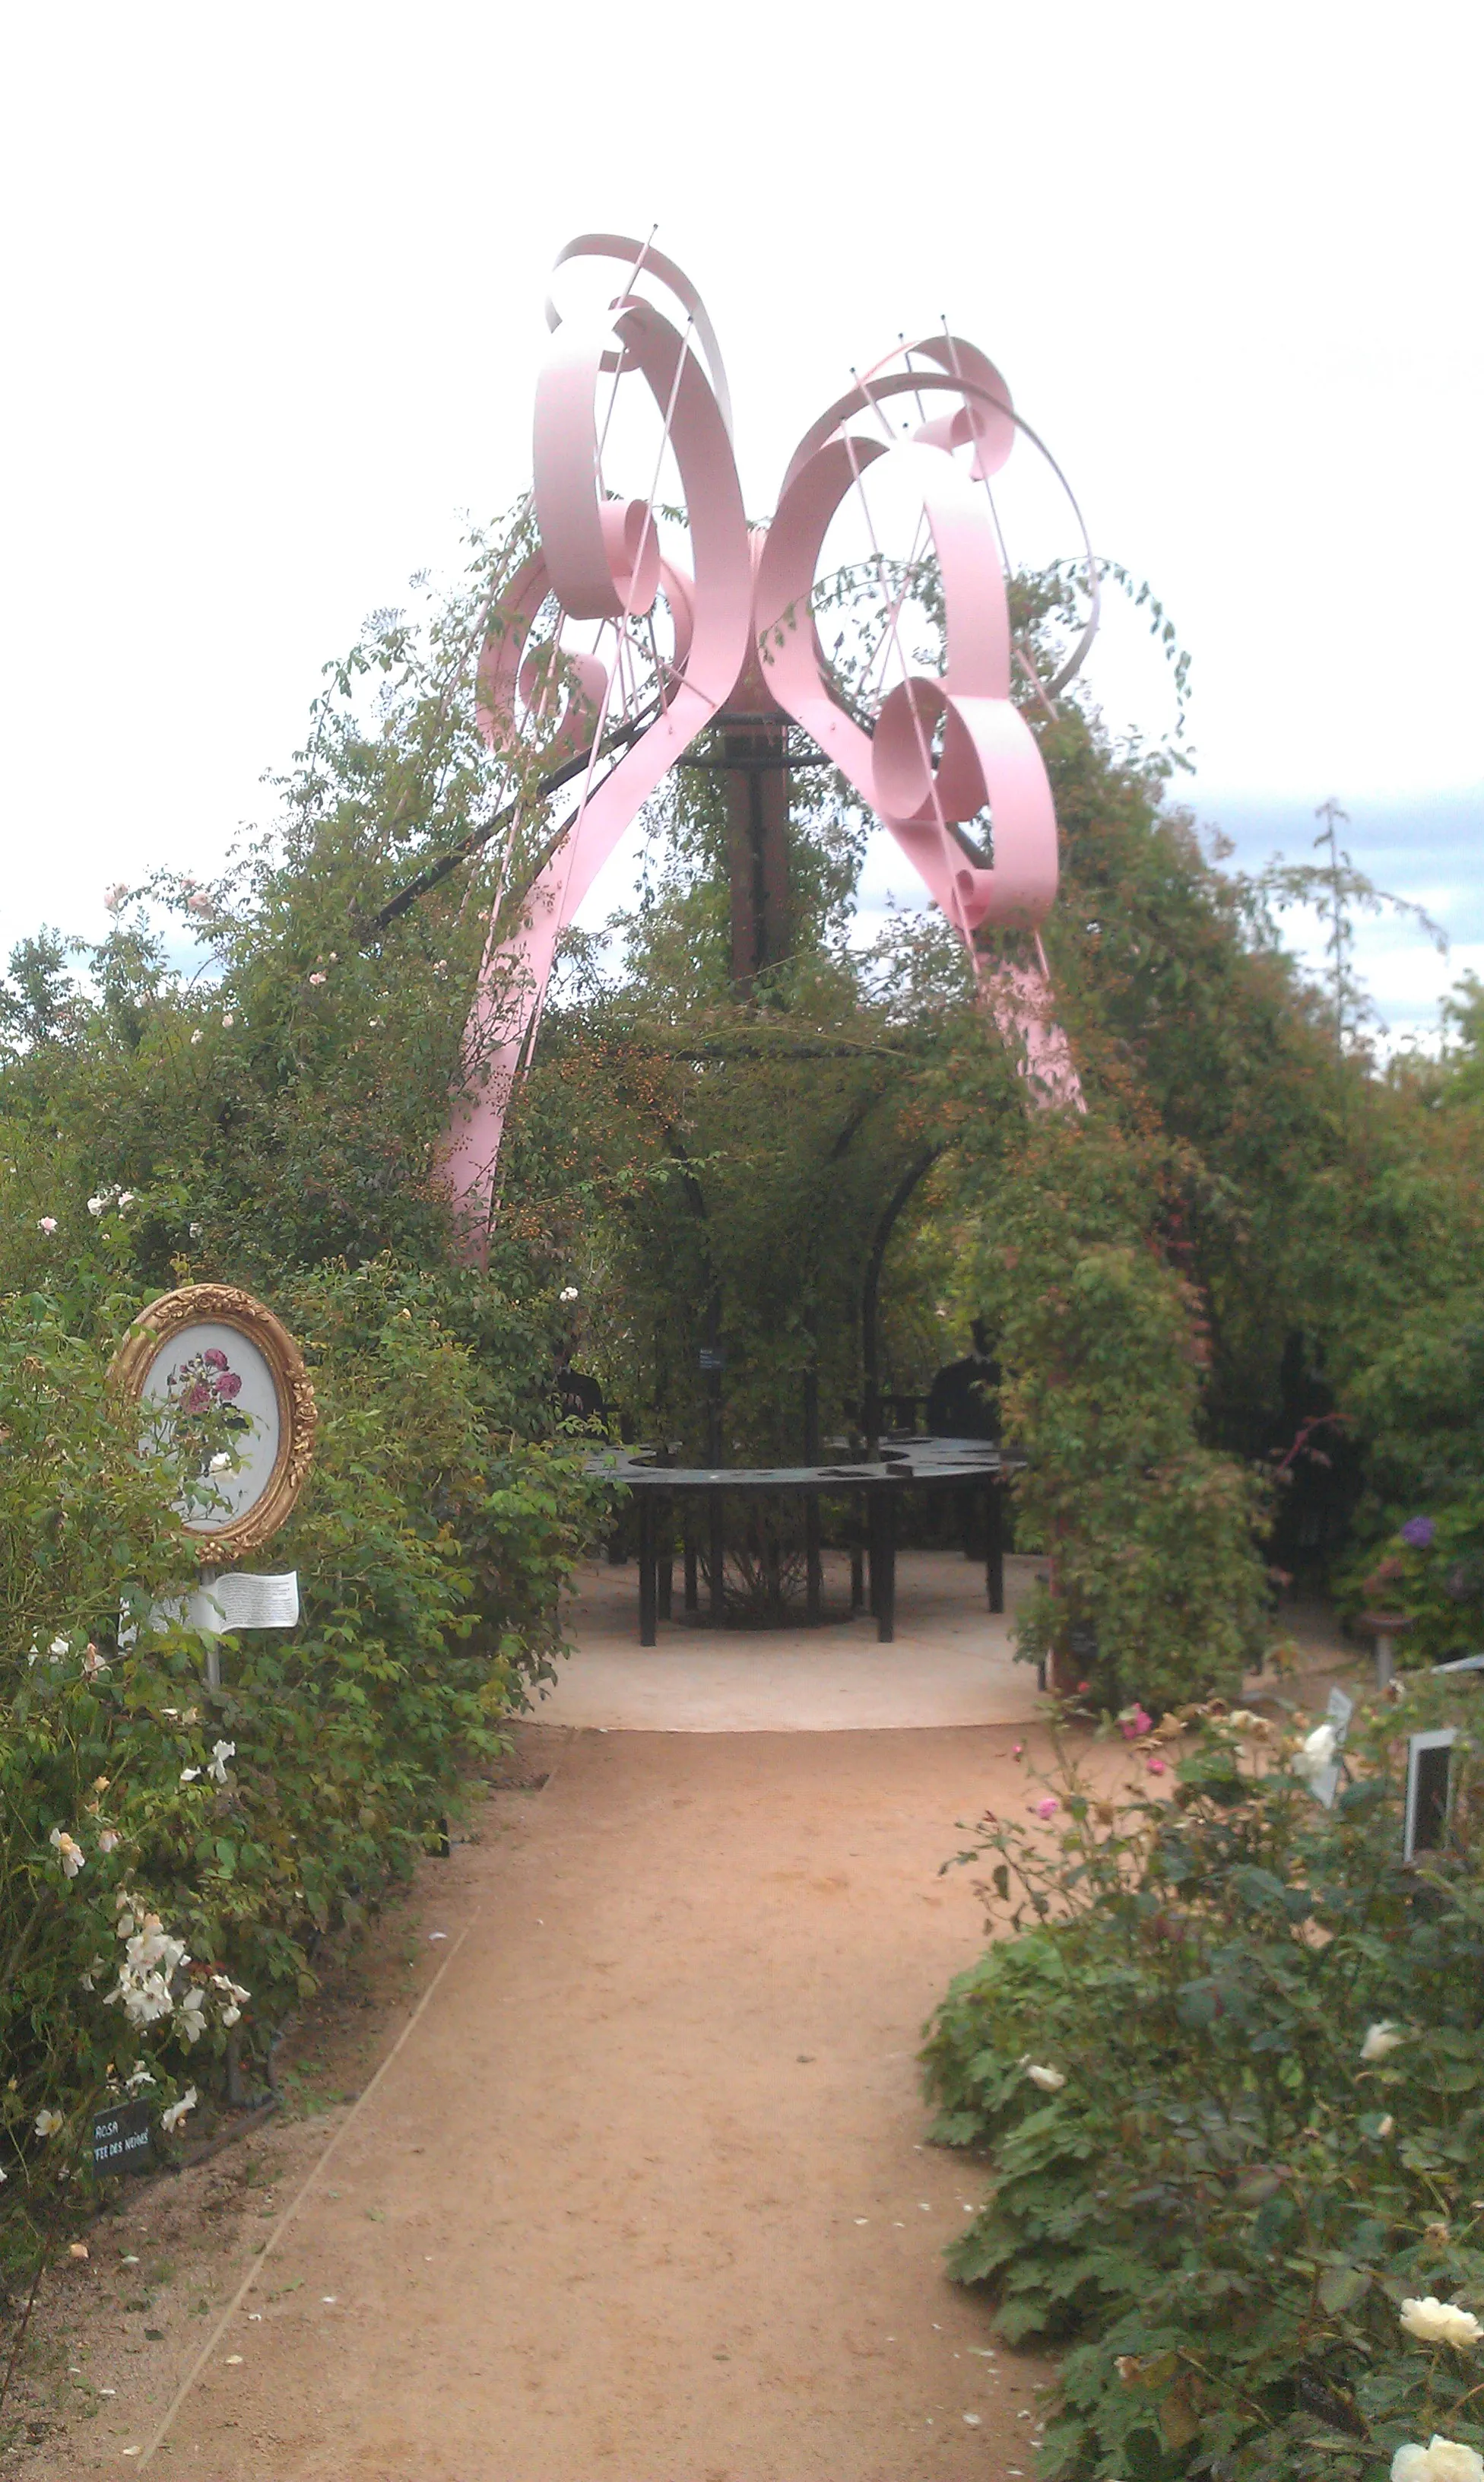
(642, 2193)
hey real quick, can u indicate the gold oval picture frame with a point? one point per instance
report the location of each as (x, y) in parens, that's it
(215, 1353)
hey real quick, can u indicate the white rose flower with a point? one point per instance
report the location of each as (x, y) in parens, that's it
(69, 1852)
(1317, 1753)
(1443, 2460)
(191, 2016)
(188, 1775)
(221, 1752)
(145, 1996)
(221, 1462)
(232, 2000)
(153, 1948)
(1050, 2080)
(1440, 2322)
(151, 1956)
(47, 2123)
(1383, 2039)
(170, 2119)
(139, 2076)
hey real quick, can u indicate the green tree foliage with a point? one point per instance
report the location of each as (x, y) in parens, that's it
(36, 999)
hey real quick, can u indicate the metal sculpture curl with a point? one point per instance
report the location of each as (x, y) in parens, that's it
(938, 754)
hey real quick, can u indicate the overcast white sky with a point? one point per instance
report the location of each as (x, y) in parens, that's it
(271, 307)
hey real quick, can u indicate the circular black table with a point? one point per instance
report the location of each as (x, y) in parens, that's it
(976, 1464)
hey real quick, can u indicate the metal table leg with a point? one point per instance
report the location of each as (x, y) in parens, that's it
(692, 1596)
(665, 1577)
(717, 1556)
(994, 1543)
(772, 1572)
(885, 1563)
(648, 1582)
(813, 1579)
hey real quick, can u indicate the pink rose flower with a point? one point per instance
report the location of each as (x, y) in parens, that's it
(1136, 1723)
(1155, 1767)
(1048, 1807)
(46, 1224)
(213, 1358)
(228, 1385)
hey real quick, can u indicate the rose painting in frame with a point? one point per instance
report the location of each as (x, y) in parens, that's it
(223, 1393)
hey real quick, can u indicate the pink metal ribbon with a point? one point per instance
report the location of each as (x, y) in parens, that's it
(946, 752)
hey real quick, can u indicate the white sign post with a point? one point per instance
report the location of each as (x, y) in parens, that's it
(1325, 1785)
(223, 1603)
(1429, 1793)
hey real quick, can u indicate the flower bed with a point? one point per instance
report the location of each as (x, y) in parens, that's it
(172, 1854)
(1228, 2067)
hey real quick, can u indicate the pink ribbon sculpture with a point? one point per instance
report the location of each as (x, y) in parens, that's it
(946, 754)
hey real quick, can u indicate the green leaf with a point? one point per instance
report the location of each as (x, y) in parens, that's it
(1340, 2287)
